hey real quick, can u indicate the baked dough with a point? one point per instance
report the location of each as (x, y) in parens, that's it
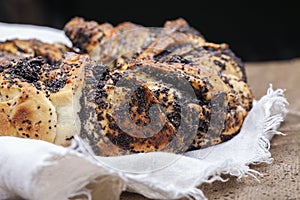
(38, 81)
(178, 51)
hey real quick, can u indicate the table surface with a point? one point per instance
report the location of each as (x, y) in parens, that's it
(281, 179)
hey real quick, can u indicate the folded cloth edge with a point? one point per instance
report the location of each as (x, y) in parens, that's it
(271, 108)
(152, 185)
(274, 104)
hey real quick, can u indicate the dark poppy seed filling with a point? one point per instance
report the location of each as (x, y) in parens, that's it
(154, 82)
(39, 72)
(37, 84)
(27, 70)
(56, 85)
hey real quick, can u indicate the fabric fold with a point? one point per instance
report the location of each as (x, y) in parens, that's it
(33, 169)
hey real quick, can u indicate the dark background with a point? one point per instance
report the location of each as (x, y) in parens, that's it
(255, 31)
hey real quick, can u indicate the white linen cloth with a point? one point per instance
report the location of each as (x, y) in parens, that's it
(33, 169)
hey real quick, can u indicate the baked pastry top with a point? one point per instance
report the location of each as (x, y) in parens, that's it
(128, 88)
(37, 82)
(148, 58)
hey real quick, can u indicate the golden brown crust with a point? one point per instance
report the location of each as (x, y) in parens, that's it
(33, 48)
(27, 112)
(86, 35)
(137, 131)
(180, 25)
(127, 40)
(119, 137)
(36, 91)
(213, 71)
